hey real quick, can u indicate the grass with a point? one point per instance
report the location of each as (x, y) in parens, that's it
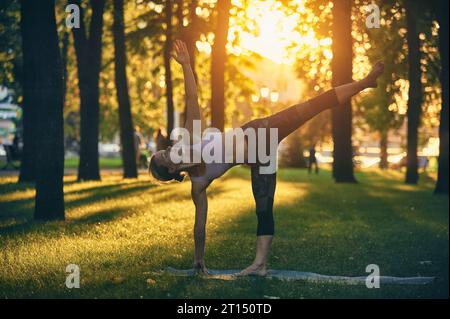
(72, 162)
(121, 231)
(105, 162)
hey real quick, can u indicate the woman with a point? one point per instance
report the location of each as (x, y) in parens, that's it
(164, 168)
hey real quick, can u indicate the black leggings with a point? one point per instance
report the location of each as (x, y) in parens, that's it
(287, 121)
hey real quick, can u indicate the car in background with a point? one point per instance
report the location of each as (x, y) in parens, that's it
(10, 137)
(110, 150)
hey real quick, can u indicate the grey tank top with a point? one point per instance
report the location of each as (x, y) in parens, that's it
(213, 170)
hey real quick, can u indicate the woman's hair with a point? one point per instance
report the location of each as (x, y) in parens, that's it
(162, 173)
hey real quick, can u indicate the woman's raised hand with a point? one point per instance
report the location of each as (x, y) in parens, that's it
(180, 52)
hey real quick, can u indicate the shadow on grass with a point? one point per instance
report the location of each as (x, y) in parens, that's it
(74, 227)
(20, 211)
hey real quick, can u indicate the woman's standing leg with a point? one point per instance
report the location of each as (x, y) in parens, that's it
(263, 187)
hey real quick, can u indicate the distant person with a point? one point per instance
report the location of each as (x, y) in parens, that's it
(139, 143)
(160, 140)
(426, 163)
(312, 160)
(164, 168)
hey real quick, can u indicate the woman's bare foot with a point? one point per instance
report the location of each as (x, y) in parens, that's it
(254, 270)
(371, 78)
(200, 268)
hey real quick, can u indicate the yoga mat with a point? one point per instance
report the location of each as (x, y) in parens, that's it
(291, 275)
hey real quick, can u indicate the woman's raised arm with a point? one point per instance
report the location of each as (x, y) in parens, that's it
(193, 111)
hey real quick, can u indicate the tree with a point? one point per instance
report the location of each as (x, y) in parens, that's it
(29, 105)
(292, 155)
(379, 108)
(40, 48)
(189, 34)
(342, 73)
(442, 15)
(88, 50)
(313, 68)
(192, 34)
(125, 119)
(218, 61)
(64, 56)
(145, 38)
(10, 48)
(168, 72)
(415, 94)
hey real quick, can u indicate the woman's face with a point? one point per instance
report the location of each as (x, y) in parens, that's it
(162, 158)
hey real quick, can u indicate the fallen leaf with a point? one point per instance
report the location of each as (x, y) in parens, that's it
(151, 281)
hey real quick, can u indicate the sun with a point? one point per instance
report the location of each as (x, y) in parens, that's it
(276, 31)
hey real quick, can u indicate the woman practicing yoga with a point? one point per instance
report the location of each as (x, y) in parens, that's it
(164, 168)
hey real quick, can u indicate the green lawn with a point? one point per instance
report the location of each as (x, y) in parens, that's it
(121, 231)
(105, 162)
(72, 162)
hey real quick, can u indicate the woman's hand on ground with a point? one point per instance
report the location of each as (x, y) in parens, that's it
(180, 52)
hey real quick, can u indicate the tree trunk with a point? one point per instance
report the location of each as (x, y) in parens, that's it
(89, 54)
(28, 160)
(415, 92)
(64, 60)
(125, 120)
(64, 49)
(383, 150)
(218, 61)
(342, 73)
(442, 181)
(168, 75)
(180, 17)
(183, 36)
(39, 28)
(190, 36)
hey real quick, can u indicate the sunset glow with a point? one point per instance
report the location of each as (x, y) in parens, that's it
(275, 31)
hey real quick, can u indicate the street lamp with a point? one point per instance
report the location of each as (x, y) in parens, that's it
(274, 96)
(255, 98)
(265, 91)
